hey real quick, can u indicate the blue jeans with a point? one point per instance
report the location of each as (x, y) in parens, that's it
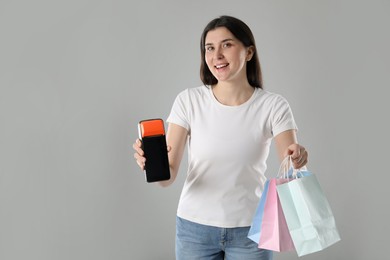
(200, 242)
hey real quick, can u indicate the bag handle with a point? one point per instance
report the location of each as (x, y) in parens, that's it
(285, 167)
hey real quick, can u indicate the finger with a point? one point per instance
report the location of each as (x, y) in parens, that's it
(296, 153)
(142, 166)
(138, 149)
(303, 156)
(137, 142)
(169, 148)
(301, 160)
(298, 165)
(140, 160)
(139, 157)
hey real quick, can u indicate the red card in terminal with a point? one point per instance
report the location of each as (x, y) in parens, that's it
(153, 127)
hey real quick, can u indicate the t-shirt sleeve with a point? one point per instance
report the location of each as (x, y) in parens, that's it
(179, 112)
(282, 118)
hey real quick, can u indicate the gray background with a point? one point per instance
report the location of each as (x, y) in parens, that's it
(77, 76)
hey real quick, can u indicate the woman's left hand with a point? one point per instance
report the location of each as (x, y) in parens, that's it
(298, 155)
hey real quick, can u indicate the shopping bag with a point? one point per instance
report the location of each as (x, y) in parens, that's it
(274, 231)
(308, 214)
(255, 229)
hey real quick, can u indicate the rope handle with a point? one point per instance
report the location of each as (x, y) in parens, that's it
(285, 167)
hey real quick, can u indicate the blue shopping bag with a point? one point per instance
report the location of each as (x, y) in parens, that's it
(255, 229)
(308, 214)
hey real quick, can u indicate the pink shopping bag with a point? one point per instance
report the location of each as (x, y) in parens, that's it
(275, 234)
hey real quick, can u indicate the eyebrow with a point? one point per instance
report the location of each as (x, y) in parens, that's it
(226, 40)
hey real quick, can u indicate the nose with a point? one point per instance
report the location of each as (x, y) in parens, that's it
(218, 54)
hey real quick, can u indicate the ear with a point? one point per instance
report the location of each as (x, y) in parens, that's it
(250, 52)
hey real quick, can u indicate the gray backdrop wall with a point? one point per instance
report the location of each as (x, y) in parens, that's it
(77, 76)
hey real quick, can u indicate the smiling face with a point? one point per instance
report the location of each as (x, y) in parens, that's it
(226, 56)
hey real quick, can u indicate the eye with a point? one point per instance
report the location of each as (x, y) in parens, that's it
(209, 48)
(227, 45)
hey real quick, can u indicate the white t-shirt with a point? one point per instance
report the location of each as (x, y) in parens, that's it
(227, 151)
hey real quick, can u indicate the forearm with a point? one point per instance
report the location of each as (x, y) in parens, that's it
(283, 141)
(176, 140)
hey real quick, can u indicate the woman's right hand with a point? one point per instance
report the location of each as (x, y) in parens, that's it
(139, 154)
(176, 140)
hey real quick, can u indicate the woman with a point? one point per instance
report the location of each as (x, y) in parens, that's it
(229, 124)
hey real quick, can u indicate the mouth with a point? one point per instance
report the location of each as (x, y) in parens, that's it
(221, 66)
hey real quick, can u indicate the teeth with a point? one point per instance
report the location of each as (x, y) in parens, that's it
(221, 66)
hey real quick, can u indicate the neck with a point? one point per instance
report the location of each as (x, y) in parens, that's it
(232, 94)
